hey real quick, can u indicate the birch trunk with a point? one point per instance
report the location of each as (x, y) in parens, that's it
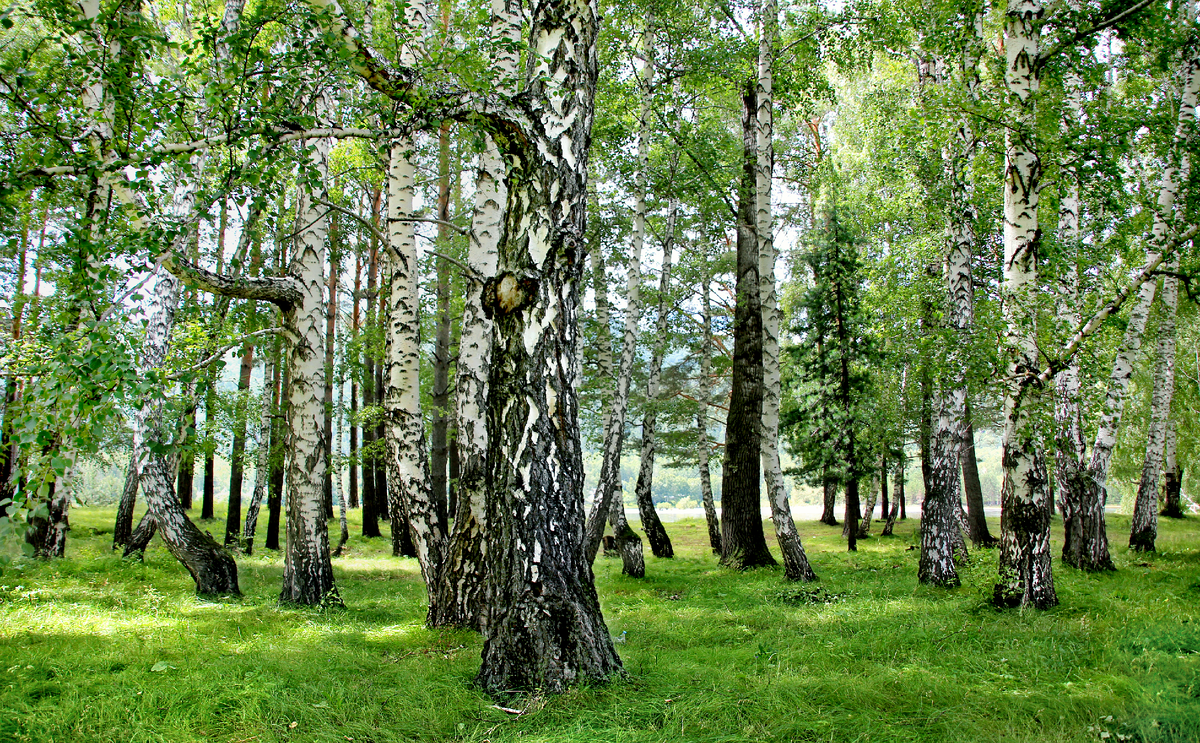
(237, 468)
(1093, 553)
(307, 570)
(743, 544)
(544, 628)
(795, 561)
(1172, 500)
(897, 499)
(703, 448)
(462, 589)
(656, 535)
(1144, 530)
(336, 468)
(409, 494)
(940, 509)
(439, 445)
(1070, 447)
(1025, 577)
(262, 467)
(609, 485)
(211, 566)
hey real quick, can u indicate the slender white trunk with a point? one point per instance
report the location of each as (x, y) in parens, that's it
(795, 561)
(1145, 511)
(335, 467)
(408, 482)
(609, 484)
(1070, 447)
(1025, 575)
(262, 465)
(656, 535)
(704, 392)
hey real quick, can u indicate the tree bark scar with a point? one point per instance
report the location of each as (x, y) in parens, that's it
(506, 294)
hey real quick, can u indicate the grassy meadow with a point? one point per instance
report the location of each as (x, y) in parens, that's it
(96, 648)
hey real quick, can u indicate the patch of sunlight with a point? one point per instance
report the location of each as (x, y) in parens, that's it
(75, 619)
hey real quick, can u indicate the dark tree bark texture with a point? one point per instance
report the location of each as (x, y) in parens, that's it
(743, 542)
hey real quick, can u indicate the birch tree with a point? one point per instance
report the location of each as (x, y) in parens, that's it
(795, 561)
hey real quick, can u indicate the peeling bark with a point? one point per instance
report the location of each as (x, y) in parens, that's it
(544, 627)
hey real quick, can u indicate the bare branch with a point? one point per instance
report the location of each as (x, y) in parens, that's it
(282, 291)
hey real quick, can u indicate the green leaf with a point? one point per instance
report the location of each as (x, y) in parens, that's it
(161, 666)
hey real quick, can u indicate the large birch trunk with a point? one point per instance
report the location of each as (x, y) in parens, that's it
(307, 570)
(1025, 577)
(743, 544)
(544, 627)
(795, 561)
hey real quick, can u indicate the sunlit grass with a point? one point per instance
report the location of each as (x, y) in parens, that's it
(96, 648)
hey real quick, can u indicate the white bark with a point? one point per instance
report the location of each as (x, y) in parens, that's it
(1025, 574)
(262, 467)
(408, 482)
(609, 485)
(1145, 511)
(795, 561)
(461, 588)
(307, 570)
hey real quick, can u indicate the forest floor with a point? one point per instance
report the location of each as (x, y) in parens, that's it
(96, 648)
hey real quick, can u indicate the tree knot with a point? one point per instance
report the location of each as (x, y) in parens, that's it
(506, 294)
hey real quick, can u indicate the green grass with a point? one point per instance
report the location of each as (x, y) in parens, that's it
(712, 655)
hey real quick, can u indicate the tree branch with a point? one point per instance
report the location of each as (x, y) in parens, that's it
(1147, 272)
(282, 291)
(1100, 26)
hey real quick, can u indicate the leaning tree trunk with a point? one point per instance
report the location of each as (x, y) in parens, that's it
(1025, 577)
(743, 544)
(124, 525)
(656, 535)
(211, 566)
(795, 561)
(1093, 554)
(1145, 510)
(703, 449)
(609, 484)
(544, 628)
